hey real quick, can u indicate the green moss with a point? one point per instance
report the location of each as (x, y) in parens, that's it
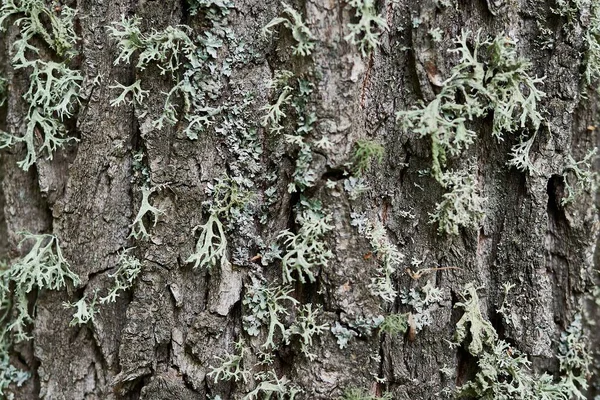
(360, 394)
(364, 153)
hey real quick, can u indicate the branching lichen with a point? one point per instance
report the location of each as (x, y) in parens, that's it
(472, 324)
(306, 250)
(176, 55)
(300, 32)
(592, 40)
(271, 386)
(266, 306)
(138, 229)
(502, 85)
(231, 365)
(124, 277)
(56, 28)
(580, 177)
(85, 310)
(43, 267)
(504, 371)
(305, 327)
(137, 94)
(53, 86)
(228, 202)
(9, 374)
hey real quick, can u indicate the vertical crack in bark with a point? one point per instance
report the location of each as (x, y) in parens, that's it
(557, 260)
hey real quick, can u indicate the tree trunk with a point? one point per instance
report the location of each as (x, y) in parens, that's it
(168, 333)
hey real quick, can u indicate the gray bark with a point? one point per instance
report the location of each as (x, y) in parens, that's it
(160, 338)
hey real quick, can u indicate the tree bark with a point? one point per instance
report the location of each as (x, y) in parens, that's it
(160, 338)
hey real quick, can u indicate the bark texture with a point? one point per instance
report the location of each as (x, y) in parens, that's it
(159, 340)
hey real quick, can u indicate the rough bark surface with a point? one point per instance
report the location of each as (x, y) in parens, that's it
(160, 338)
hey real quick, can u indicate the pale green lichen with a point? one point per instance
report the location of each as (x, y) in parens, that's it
(129, 267)
(500, 84)
(3, 91)
(168, 49)
(592, 40)
(422, 302)
(305, 327)
(136, 91)
(389, 261)
(56, 28)
(231, 365)
(53, 93)
(305, 41)
(266, 306)
(84, 310)
(229, 201)
(9, 374)
(280, 84)
(342, 334)
(489, 79)
(472, 324)
(306, 250)
(176, 55)
(461, 205)
(272, 387)
(138, 229)
(42, 268)
(504, 371)
(580, 177)
(368, 27)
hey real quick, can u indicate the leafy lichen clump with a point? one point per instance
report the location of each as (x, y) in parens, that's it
(461, 205)
(231, 365)
(502, 85)
(497, 82)
(389, 258)
(369, 26)
(266, 306)
(504, 371)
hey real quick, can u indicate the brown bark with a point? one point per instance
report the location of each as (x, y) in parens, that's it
(160, 338)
